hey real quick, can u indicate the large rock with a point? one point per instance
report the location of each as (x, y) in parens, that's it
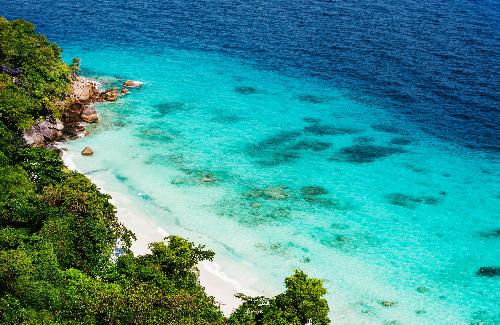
(89, 115)
(132, 84)
(43, 132)
(276, 193)
(110, 95)
(33, 138)
(83, 90)
(87, 151)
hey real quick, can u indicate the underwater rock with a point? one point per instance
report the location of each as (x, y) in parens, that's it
(275, 149)
(208, 178)
(363, 139)
(388, 303)
(416, 169)
(270, 193)
(410, 201)
(132, 84)
(489, 271)
(169, 107)
(323, 129)
(245, 90)
(256, 205)
(87, 151)
(367, 153)
(276, 193)
(311, 99)
(274, 141)
(313, 190)
(491, 234)
(311, 145)
(338, 241)
(422, 290)
(311, 120)
(89, 115)
(124, 91)
(278, 158)
(387, 128)
(400, 141)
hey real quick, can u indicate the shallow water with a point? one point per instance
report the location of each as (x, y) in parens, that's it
(275, 182)
(276, 171)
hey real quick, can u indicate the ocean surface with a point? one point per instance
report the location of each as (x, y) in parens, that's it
(357, 141)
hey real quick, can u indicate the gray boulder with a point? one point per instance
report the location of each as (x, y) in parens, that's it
(43, 132)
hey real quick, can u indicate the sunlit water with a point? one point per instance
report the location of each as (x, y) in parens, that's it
(276, 173)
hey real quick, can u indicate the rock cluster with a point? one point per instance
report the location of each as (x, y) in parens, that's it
(77, 110)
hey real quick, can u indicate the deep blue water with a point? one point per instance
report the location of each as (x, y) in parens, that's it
(437, 62)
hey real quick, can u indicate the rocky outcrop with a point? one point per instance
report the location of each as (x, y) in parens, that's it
(132, 84)
(44, 132)
(77, 110)
(84, 90)
(110, 95)
(89, 115)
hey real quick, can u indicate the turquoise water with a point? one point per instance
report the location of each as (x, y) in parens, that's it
(305, 177)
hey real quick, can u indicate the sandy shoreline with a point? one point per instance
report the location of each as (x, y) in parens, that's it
(216, 283)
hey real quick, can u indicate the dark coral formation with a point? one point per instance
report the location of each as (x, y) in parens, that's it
(367, 153)
(311, 145)
(363, 139)
(275, 149)
(169, 107)
(245, 90)
(495, 233)
(388, 128)
(311, 99)
(325, 129)
(410, 201)
(488, 271)
(313, 190)
(311, 120)
(401, 141)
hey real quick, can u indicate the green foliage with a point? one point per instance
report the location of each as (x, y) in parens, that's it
(58, 232)
(302, 302)
(75, 65)
(44, 166)
(44, 78)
